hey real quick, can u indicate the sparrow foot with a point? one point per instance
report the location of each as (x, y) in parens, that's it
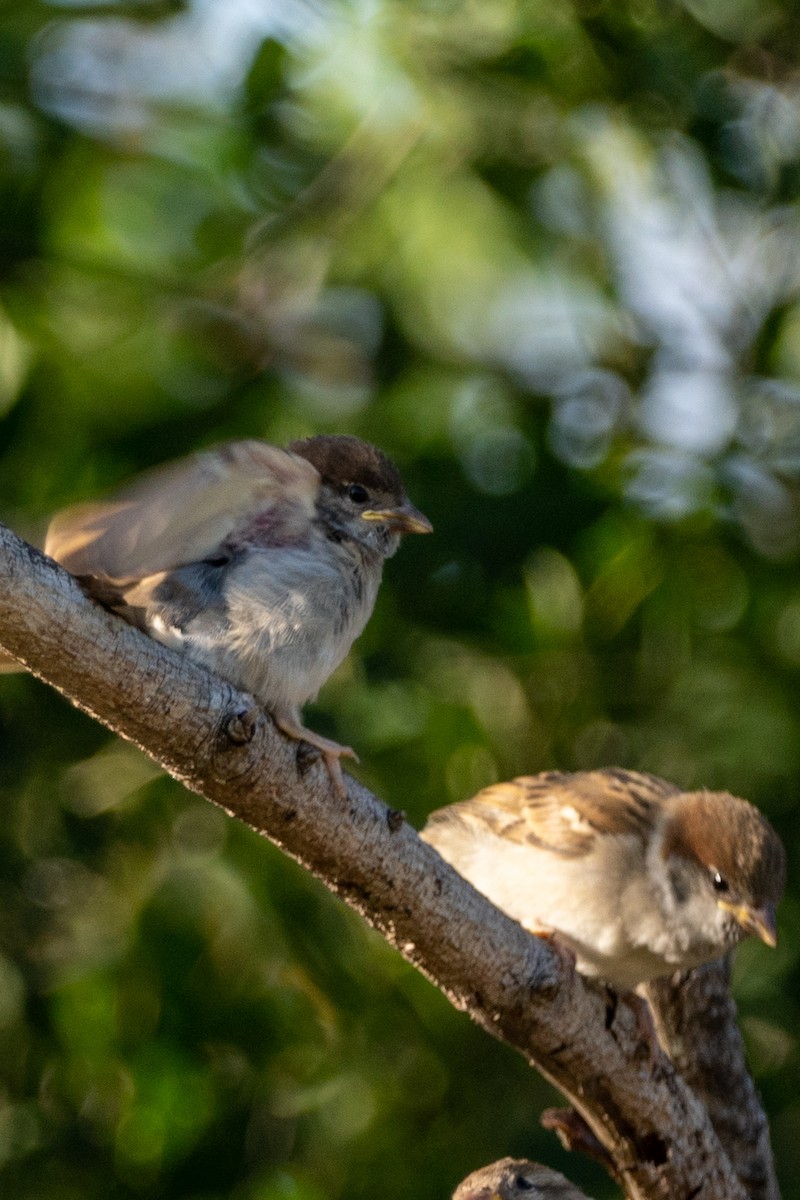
(329, 751)
(646, 1034)
(556, 944)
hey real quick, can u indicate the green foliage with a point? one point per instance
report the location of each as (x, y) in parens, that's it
(545, 255)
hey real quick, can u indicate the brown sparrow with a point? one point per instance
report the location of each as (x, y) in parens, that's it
(516, 1179)
(637, 878)
(260, 563)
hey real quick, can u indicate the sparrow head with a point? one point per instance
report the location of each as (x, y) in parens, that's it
(516, 1179)
(362, 495)
(732, 857)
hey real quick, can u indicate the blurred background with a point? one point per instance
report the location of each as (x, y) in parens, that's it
(546, 255)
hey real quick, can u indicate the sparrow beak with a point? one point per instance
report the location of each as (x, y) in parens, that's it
(761, 922)
(405, 518)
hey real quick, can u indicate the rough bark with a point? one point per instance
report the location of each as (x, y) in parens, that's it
(218, 743)
(695, 1017)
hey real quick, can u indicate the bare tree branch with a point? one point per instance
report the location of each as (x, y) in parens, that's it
(216, 741)
(696, 1020)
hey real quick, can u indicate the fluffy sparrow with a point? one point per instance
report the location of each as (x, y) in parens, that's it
(263, 564)
(516, 1179)
(637, 878)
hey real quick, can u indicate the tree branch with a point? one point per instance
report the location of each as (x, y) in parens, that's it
(217, 742)
(696, 1020)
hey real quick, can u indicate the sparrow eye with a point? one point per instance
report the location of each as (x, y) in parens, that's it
(522, 1184)
(357, 493)
(719, 884)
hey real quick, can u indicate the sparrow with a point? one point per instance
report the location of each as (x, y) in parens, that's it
(634, 876)
(261, 563)
(516, 1179)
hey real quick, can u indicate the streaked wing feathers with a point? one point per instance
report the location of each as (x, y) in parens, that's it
(562, 811)
(183, 512)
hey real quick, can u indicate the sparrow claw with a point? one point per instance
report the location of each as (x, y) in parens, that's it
(646, 1034)
(556, 944)
(334, 769)
(647, 1043)
(329, 751)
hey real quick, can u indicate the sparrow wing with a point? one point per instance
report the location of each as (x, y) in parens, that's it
(560, 811)
(185, 511)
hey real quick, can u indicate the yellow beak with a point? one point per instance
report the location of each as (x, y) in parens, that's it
(405, 519)
(761, 922)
